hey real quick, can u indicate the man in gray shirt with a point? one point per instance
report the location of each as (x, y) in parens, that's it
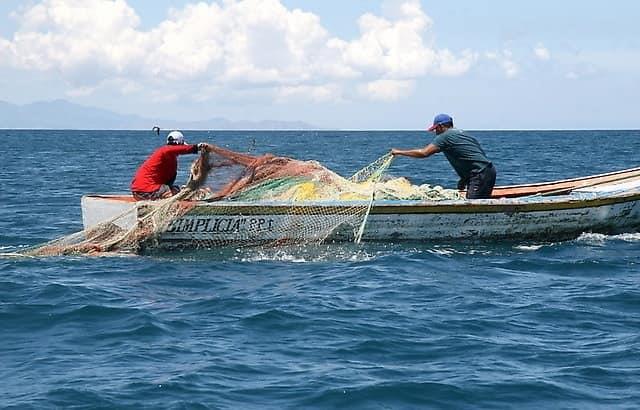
(477, 174)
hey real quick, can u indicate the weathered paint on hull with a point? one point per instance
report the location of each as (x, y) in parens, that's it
(482, 220)
(543, 224)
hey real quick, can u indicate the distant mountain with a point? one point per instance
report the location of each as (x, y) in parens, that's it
(61, 114)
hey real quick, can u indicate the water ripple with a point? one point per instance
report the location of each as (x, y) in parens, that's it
(400, 325)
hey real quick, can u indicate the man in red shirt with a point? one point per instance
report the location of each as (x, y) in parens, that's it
(156, 176)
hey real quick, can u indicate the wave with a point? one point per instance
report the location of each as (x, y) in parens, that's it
(530, 247)
(310, 253)
(599, 238)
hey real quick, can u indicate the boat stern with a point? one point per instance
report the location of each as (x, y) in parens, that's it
(119, 209)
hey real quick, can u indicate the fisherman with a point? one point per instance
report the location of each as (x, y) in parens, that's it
(477, 174)
(156, 176)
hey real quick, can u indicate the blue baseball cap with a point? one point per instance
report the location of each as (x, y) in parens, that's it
(439, 120)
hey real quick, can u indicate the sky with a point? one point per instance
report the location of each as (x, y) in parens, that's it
(336, 64)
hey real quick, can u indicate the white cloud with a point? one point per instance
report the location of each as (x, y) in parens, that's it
(511, 68)
(505, 60)
(232, 45)
(81, 91)
(68, 35)
(541, 52)
(329, 92)
(450, 65)
(387, 90)
(394, 48)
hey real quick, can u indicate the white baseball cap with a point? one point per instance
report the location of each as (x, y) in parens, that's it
(175, 138)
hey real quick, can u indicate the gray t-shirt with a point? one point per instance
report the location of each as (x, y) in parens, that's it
(462, 150)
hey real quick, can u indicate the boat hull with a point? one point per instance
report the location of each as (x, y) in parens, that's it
(538, 218)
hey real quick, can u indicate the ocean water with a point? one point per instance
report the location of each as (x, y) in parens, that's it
(406, 325)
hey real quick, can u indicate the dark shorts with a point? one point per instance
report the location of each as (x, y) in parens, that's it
(164, 191)
(481, 183)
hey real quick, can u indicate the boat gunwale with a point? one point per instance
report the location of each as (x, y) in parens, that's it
(561, 181)
(479, 206)
(560, 186)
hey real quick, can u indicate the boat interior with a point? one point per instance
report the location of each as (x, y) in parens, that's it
(564, 187)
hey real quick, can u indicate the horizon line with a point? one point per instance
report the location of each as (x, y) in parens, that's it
(321, 129)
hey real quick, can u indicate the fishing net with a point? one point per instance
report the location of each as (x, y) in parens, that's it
(237, 199)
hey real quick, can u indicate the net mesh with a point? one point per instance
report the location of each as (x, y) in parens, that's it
(238, 199)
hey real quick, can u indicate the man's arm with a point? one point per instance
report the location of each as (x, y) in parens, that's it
(183, 149)
(425, 152)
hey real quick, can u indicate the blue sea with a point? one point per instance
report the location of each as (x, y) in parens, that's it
(524, 325)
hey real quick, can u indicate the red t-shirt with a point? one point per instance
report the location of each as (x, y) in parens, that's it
(160, 168)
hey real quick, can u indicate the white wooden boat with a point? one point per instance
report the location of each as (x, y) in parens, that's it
(605, 203)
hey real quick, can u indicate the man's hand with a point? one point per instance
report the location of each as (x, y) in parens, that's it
(202, 146)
